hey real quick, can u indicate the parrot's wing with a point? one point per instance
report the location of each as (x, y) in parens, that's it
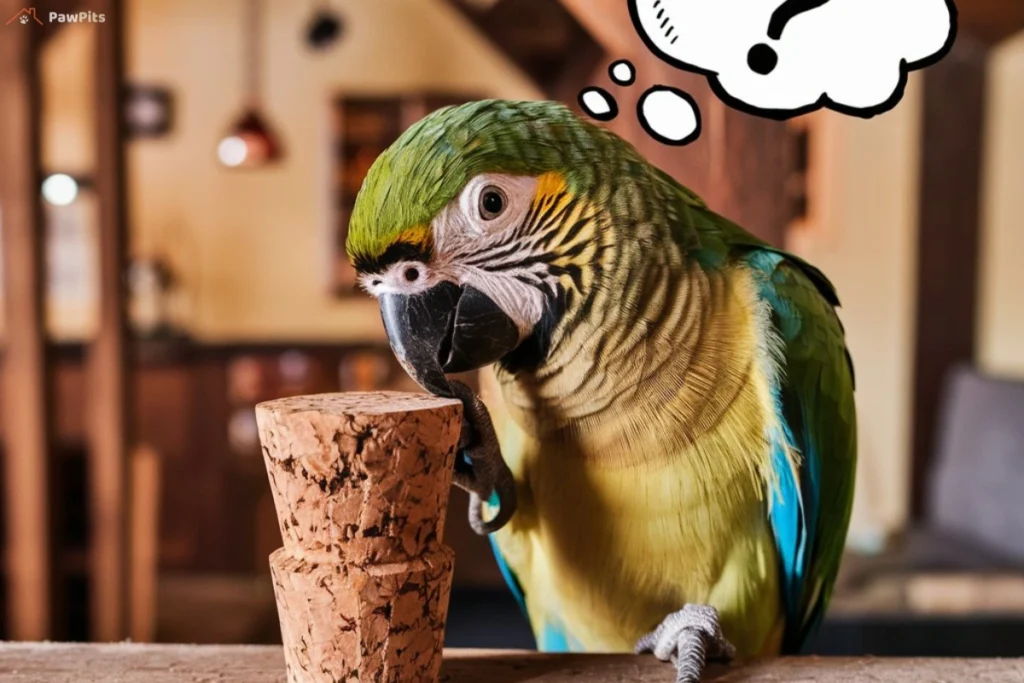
(810, 507)
(510, 576)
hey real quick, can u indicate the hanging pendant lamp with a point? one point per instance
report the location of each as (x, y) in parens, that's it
(250, 142)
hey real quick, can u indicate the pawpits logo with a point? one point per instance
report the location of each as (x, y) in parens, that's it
(27, 15)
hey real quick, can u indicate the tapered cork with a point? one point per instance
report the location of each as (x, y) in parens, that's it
(361, 484)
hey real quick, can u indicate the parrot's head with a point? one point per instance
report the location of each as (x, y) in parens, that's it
(478, 229)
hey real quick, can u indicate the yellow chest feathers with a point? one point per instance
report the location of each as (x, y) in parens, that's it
(657, 498)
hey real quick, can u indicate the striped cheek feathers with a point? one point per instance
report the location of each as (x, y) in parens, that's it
(534, 257)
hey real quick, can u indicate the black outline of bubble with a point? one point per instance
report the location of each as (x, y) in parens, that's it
(824, 102)
(692, 137)
(613, 109)
(632, 71)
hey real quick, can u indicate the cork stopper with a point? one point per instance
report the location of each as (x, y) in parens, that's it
(361, 484)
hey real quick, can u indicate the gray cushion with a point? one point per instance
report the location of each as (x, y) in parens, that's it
(977, 485)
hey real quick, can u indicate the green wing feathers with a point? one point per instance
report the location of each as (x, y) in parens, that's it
(815, 402)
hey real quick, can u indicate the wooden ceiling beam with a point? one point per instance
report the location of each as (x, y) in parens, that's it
(990, 21)
(609, 23)
(541, 37)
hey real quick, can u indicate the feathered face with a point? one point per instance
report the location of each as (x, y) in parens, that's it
(472, 237)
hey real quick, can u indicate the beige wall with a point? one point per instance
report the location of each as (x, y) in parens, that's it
(862, 236)
(255, 245)
(1001, 315)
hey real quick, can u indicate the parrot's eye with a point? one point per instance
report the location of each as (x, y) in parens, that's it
(492, 202)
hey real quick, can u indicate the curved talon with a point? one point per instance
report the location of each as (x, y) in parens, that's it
(488, 472)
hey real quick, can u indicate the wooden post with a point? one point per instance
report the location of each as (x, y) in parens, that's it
(26, 379)
(361, 484)
(108, 358)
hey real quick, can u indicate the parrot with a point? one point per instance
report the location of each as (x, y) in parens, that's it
(663, 450)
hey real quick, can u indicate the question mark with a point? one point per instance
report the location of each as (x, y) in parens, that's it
(762, 58)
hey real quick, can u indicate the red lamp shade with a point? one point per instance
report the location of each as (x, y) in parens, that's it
(250, 143)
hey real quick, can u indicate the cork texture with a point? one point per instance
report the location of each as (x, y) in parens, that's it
(361, 484)
(344, 621)
(362, 477)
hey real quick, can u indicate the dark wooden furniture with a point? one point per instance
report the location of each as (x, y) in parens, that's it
(193, 410)
(171, 663)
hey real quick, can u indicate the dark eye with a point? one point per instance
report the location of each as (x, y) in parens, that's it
(492, 202)
(412, 274)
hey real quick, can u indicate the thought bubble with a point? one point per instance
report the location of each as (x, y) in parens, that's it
(779, 59)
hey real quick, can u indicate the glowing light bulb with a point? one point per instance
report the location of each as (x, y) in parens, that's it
(60, 189)
(232, 151)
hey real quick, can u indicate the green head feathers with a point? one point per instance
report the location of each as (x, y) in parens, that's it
(430, 163)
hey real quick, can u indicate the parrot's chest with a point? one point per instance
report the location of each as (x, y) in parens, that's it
(604, 553)
(634, 503)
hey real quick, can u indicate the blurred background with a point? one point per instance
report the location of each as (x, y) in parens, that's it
(175, 180)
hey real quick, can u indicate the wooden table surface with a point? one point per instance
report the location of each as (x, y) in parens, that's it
(128, 663)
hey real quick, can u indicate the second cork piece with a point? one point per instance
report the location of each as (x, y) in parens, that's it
(361, 484)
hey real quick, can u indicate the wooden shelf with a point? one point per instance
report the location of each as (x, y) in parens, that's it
(249, 664)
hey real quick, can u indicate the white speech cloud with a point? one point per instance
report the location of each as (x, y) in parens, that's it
(849, 55)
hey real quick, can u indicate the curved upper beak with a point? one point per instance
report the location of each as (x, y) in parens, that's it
(445, 329)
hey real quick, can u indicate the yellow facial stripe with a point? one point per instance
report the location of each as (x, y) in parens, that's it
(550, 184)
(418, 235)
(574, 222)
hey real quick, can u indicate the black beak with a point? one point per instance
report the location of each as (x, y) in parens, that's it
(446, 329)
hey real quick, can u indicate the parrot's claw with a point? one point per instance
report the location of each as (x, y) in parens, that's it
(688, 638)
(487, 472)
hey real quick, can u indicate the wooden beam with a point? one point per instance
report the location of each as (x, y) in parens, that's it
(26, 378)
(990, 21)
(539, 36)
(609, 22)
(52, 28)
(109, 352)
(947, 241)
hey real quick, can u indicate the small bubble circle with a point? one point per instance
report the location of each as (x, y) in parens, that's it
(622, 72)
(669, 115)
(598, 104)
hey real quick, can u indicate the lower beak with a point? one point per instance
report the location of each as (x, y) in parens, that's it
(446, 329)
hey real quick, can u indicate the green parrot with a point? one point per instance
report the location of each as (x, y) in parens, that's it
(663, 454)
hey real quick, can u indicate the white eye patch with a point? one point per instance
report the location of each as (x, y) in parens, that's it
(471, 218)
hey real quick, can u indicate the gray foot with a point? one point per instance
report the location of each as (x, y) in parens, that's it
(688, 638)
(487, 472)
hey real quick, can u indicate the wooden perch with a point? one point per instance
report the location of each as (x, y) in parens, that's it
(361, 483)
(58, 663)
